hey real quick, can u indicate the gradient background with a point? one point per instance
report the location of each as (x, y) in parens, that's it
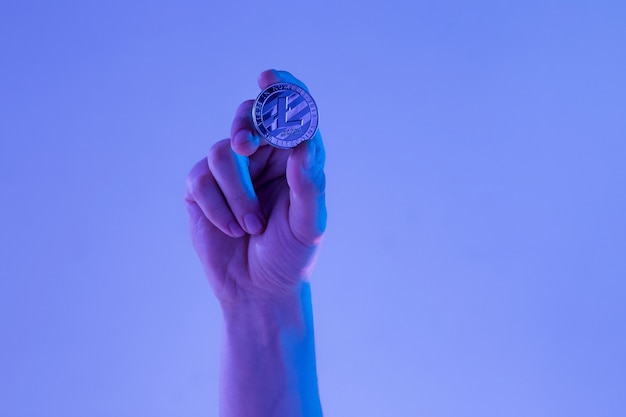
(475, 261)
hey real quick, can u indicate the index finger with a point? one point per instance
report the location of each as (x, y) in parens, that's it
(244, 138)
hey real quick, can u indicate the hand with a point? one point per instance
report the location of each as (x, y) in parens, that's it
(257, 213)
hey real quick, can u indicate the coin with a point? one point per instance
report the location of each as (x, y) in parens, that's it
(285, 115)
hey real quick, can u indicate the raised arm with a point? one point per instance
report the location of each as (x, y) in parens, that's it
(257, 216)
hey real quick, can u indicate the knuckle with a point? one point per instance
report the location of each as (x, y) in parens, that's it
(245, 107)
(219, 153)
(196, 184)
(199, 169)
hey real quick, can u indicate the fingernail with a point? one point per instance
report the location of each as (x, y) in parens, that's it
(252, 223)
(235, 229)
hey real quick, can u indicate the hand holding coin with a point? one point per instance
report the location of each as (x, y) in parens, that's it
(257, 215)
(257, 211)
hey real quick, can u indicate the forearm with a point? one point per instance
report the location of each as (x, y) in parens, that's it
(268, 359)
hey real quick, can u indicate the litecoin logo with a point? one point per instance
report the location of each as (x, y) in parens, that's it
(285, 115)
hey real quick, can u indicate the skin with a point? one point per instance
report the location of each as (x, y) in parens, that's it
(257, 216)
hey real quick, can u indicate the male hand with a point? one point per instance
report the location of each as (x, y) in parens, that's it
(257, 213)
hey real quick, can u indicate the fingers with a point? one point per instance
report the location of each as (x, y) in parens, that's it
(272, 76)
(307, 184)
(244, 139)
(203, 196)
(221, 187)
(232, 175)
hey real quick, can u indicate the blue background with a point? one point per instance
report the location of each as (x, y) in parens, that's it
(475, 260)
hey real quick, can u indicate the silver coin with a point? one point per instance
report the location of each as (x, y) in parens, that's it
(285, 115)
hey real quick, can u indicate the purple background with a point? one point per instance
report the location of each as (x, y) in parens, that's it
(475, 261)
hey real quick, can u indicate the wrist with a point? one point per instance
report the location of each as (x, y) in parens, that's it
(261, 320)
(270, 341)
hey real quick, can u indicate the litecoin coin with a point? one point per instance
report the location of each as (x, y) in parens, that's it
(285, 115)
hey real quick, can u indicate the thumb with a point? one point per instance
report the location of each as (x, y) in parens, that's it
(307, 184)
